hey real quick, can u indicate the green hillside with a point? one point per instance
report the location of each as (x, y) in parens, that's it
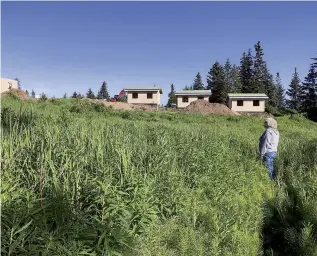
(82, 179)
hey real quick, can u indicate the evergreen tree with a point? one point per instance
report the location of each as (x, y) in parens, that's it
(65, 96)
(103, 92)
(19, 84)
(33, 94)
(188, 88)
(80, 96)
(75, 95)
(90, 94)
(246, 73)
(270, 89)
(171, 96)
(315, 62)
(228, 75)
(209, 80)
(308, 94)
(219, 91)
(198, 83)
(27, 93)
(259, 70)
(43, 97)
(236, 86)
(279, 91)
(294, 92)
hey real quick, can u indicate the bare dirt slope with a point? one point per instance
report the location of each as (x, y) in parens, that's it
(16, 92)
(204, 107)
(124, 106)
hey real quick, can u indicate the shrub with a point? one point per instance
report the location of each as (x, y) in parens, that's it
(126, 115)
(99, 107)
(233, 118)
(43, 97)
(273, 110)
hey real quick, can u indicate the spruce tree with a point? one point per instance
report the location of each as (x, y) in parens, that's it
(219, 93)
(279, 91)
(308, 94)
(294, 92)
(188, 88)
(75, 95)
(259, 70)
(65, 96)
(19, 83)
(33, 94)
(209, 80)
(270, 88)
(103, 92)
(246, 73)
(228, 75)
(171, 96)
(90, 94)
(236, 81)
(198, 83)
(315, 62)
(27, 92)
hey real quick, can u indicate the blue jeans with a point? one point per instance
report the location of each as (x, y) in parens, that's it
(269, 161)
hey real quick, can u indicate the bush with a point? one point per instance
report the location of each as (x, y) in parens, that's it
(13, 95)
(234, 118)
(55, 101)
(77, 109)
(126, 115)
(273, 110)
(312, 114)
(43, 97)
(99, 107)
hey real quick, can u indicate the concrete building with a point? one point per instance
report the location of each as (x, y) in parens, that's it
(6, 84)
(144, 95)
(247, 102)
(185, 97)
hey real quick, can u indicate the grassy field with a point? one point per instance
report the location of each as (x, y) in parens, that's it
(81, 179)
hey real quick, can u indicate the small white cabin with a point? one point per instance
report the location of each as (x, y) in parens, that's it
(185, 97)
(247, 102)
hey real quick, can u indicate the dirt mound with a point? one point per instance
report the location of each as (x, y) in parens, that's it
(16, 93)
(118, 105)
(124, 105)
(204, 107)
(114, 105)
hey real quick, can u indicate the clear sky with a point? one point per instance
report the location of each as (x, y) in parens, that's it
(58, 47)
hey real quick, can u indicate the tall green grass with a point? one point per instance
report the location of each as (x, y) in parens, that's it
(81, 179)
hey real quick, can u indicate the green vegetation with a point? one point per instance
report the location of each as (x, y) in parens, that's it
(82, 179)
(171, 97)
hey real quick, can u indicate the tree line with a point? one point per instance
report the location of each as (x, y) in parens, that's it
(102, 93)
(252, 75)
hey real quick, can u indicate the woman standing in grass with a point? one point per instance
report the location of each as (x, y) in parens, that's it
(268, 144)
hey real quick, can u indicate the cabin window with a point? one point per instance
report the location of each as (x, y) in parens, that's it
(239, 103)
(150, 95)
(256, 103)
(135, 95)
(200, 97)
(185, 99)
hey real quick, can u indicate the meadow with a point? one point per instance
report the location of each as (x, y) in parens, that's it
(81, 179)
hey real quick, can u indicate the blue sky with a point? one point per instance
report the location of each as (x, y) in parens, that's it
(58, 47)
